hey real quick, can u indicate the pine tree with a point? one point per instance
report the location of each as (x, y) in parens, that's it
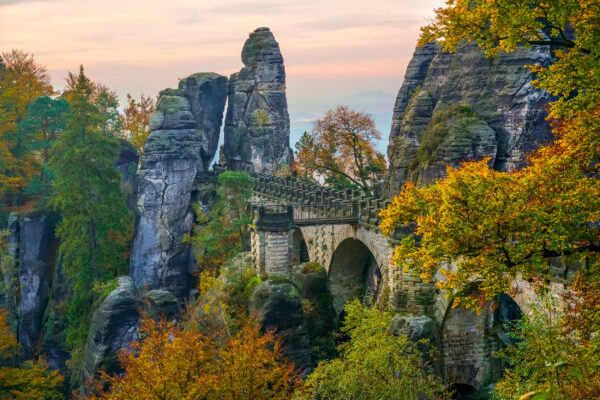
(95, 224)
(44, 123)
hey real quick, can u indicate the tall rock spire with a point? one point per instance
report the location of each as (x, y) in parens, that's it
(185, 133)
(257, 126)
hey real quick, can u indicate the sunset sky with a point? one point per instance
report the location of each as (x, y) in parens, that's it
(335, 51)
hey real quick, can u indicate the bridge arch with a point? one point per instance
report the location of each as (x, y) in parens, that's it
(353, 273)
(469, 341)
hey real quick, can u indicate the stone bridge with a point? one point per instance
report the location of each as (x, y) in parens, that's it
(296, 222)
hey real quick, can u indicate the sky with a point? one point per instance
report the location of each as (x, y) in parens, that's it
(352, 52)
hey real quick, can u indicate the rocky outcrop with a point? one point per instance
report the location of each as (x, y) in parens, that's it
(257, 126)
(461, 106)
(113, 325)
(33, 280)
(277, 304)
(185, 130)
(25, 273)
(161, 304)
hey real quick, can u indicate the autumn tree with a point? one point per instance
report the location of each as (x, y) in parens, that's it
(341, 149)
(95, 225)
(135, 120)
(373, 364)
(22, 81)
(494, 224)
(483, 227)
(223, 233)
(173, 363)
(31, 381)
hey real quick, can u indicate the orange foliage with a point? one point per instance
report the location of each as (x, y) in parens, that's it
(342, 147)
(172, 363)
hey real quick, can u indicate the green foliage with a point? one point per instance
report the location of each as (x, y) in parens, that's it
(311, 266)
(223, 233)
(546, 360)
(222, 305)
(95, 225)
(374, 364)
(321, 323)
(45, 121)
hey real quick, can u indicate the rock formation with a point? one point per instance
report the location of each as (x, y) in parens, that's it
(460, 106)
(183, 140)
(28, 238)
(257, 126)
(113, 326)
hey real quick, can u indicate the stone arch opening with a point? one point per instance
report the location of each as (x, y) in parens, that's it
(464, 392)
(300, 248)
(469, 341)
(353, 273)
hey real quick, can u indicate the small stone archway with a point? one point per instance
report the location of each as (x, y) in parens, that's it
(353, 273)
(469, 341)
(301, 254)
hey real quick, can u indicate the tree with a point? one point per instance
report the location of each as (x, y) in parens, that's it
(224, 232)
(494, 225)
(45, 121)
(252, 366)
(489, 226)
(135, 120)
(172, 363)
(34, 380)
(341, 149)
(168, 363)
(95, 224)
(105, 100)
(22, 80)
(543, 356)
(374, 364)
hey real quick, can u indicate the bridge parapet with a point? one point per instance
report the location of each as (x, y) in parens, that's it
(311, 198)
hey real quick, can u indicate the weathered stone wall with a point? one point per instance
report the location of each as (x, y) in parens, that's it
(273, 252)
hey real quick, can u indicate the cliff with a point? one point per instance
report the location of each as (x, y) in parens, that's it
(460, 106)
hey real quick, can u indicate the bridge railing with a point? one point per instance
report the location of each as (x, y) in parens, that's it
(312, 201)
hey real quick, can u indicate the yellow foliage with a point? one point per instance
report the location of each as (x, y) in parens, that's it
(31, 381)
(170, 363)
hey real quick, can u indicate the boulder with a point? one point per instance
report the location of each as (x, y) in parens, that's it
(183, 140)
(113, 326)
(257, 125)
(161, 304)
(416, 327)
(276, 303)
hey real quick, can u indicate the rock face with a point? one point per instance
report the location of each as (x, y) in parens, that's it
(257, 126)
(278, 306)
(113, 325)
(185, 132)
(460, 106)
(33, 280)
(26, 287)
